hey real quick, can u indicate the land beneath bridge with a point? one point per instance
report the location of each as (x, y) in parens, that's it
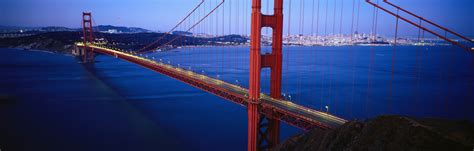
(390, 133)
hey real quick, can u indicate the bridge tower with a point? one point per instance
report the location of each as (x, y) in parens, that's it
(88, 38)
(264, 130)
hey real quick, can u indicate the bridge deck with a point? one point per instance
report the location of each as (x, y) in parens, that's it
(283, 110)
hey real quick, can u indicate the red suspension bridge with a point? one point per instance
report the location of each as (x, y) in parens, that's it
(265, 111)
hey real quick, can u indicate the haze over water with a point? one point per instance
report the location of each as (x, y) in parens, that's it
(115, 105)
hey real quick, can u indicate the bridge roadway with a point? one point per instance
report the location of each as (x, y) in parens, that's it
(286, 111)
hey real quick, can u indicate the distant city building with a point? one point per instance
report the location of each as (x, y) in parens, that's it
(112, 31)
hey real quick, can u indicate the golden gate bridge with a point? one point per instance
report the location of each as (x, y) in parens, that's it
(254, 19)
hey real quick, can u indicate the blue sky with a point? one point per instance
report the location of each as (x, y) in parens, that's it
(163, 14)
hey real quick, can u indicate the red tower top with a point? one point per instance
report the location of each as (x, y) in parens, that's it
(88, 37)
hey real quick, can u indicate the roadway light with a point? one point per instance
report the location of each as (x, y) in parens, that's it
(327, 109)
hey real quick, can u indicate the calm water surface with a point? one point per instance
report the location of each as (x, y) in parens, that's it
(59, 104)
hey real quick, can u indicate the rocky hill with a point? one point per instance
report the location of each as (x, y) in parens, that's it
(58, 42)
(387, 133)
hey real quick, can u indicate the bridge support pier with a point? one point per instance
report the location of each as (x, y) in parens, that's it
(88, 38)
(264, 130)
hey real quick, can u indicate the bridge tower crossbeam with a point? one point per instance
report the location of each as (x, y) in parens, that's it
(264, 130)
(88, 37)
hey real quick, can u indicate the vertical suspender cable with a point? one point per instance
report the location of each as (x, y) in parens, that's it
(393, 64)
(340, 24)
(206, 36)
(242, 30)
(358, 15)
(376, 22)
(300, 36)
(447, 74)
(334, 20)
(288, 48)
(317, 22)
(331, 60)
(317, 41)
(312, 19)
(313, 53)
(325, 37)
(372, 51)
(231, 49)
(301, 16)
(238, 17)
(247, 14)
(212, 57)
(193, 44)
(222, 45)
(236, 62)
(373, 26)
(217, 39)
(370, 65)
(418, 68)
(326, 20)
(357, 29)
(352, 61)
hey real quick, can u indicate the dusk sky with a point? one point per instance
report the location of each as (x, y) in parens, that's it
(163, 14)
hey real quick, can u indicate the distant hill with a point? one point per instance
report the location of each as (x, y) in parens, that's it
(55, 29)
(62, 42)
(7, 29)
(121, 29)
(101, 28)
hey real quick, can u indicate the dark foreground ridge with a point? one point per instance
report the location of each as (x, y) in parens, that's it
(390, 133)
